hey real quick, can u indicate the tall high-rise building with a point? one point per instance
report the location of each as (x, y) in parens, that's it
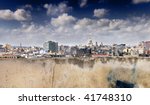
(51, 46)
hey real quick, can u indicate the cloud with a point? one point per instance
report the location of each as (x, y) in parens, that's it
(28, 6)
(82, 23)
(83, 3)
(140, 1)
(67, 29)
(100, 13)
(63, 20)
(19, 15)
(55, 10)
(117, 24)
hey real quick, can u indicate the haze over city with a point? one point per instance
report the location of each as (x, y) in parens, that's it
(73, 22)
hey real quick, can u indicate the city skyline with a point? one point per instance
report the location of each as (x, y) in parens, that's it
(94, 43)
(73, 22)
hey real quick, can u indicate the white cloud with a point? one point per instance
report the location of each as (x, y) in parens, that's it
(55, 10)
(19, 15)
(103, 22)
(117, 24)
(100, 13)
(63, 20)
(67, 29)
(28, 6)
(140, 1)
(6, 15)
(83, 3)
(82, 23)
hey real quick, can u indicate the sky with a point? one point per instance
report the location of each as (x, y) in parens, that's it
(74, 22)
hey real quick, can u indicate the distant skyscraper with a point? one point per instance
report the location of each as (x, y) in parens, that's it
(51, 46)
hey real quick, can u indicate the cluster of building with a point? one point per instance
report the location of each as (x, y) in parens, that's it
(9, 51)
(53, 49)
(98, 50)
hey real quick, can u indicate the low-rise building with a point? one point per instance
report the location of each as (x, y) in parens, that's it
(144, 48)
